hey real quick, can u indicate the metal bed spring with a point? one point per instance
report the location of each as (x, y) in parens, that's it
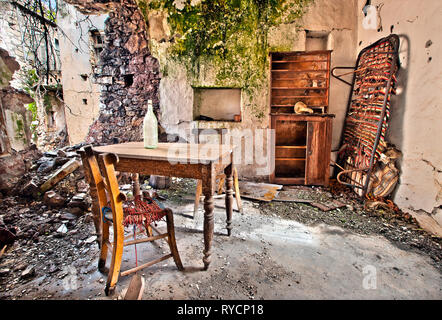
(368, 112)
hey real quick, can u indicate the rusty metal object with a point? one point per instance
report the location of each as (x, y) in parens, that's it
(368, 113)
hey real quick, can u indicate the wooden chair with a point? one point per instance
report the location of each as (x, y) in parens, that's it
(111, 202)
(221, 178)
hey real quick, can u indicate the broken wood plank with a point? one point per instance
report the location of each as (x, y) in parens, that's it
(320, 206)
(332, 205)
(293, 200)
(135, 289)
(259, 191)
(60, 174)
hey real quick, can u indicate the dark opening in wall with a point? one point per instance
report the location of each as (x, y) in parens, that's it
(84, 101)
(97, 39)
(217, 104)
(128, 80)
(83, 76)
(316, 40)
(51, 119)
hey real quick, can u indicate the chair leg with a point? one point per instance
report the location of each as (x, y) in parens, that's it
(117, 254)
(148, 230)
(199, 191)
(172, 240)
(236, 186)
(104, 247)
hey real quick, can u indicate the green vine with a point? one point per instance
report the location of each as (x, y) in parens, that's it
(31, 79)
(229, 34)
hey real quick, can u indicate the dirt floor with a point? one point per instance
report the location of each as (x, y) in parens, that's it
(278, 250)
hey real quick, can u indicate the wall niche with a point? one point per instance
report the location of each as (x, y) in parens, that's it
(216, 104)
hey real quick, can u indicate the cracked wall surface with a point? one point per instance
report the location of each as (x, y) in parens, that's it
(80, 92)
(416, 117)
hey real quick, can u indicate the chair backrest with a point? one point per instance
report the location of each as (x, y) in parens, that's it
(93, 174)
(107, 164)
(107, 187)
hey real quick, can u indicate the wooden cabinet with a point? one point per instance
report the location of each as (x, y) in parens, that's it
(302, 149)
(302, 142)
(299, 76)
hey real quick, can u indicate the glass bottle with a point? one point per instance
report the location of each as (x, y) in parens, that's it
(150, 128)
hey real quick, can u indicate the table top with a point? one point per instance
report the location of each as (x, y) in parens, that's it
(172, 152)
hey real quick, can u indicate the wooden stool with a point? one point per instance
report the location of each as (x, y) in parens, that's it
(222, 178)
(108, 188)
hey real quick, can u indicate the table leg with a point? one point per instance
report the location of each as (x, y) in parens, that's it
(208, 228)
(229, 197)
(209, 206)
(136, 189)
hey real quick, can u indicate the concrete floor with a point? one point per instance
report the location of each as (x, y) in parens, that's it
(265, 258)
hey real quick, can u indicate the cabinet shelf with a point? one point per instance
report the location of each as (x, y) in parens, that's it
(302, 142)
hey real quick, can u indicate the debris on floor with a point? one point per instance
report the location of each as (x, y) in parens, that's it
(259, 191)
(53, 244)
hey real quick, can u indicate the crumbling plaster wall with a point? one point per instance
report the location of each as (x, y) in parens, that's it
(11, 38)
(416, 117)
(338, 17)
(81, 93)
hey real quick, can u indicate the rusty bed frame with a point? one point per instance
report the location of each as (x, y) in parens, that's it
(368, 112)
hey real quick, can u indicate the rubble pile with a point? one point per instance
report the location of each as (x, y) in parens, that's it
(45, 219)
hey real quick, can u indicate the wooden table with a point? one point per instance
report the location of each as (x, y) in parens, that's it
(197, 161)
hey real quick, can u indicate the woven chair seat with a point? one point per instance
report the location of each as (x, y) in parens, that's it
(138, 212)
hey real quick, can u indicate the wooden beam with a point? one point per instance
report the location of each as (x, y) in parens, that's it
(60, 174)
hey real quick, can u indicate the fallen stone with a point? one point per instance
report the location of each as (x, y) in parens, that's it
(82, 186)
(61, 160)
(71, 154)
(68, 216)
(90, 239)
(30, 189)
(4, 272)
(61, 153)
(79, 201)
(62, 229)
(29, 272)
(20, 267)
(76, 211)
(46, 166)
(53, 199)
(50, 154)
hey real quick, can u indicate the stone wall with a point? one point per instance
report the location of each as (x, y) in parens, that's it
(416, 118)
(128, 75)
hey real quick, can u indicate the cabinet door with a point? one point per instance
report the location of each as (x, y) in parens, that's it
(318, 152)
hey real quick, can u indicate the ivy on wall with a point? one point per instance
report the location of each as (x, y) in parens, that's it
(229, 35)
